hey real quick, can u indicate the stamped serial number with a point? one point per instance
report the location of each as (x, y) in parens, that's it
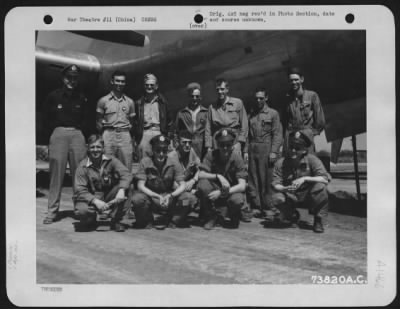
(149, 19)
(338, 279)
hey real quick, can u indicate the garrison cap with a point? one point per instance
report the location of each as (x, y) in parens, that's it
(193, 86)
(225, 135)
(72, 69)
(151, 77)
(159, 140)
(295, 70)
(302, 138)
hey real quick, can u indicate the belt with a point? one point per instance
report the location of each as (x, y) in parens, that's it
(152, 127)
(117, 129)
(68, 128)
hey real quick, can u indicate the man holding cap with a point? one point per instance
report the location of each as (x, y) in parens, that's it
(303, 110)
(152, 116)
(65, 111)
(101, 182)
(222, 182)
(115, 113)
(156, 177)
(193, 119)
(300, 177)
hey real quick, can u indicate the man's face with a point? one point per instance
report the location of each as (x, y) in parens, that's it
(160, 153)
(70, 81)
(150, 86)
(261, 99)
(225, 149)
(222, 91)
(95, 150)
(118, 83)
(185, 144)
(297, 152)
(296, 81)
(195, 98)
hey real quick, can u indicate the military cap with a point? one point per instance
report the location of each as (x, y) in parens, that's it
(72, 69)
(295, 70)
(193, 86)
(225, 135)
(302, 138)
(159, 140)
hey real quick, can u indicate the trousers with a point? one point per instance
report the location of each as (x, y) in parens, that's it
(119, 145)
(314, 196)
(85, 212)
(144, 206)
(66, 144)
(226, 207)
(145, 146)
(260, 175)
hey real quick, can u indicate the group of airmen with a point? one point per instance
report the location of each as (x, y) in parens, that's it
(219, 162)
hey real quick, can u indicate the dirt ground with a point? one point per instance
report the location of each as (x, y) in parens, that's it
(252, 254)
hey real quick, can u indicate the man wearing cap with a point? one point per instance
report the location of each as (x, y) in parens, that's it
(101, 182)
(300, 177)
(226, 112)
(152, 116)
(65, 111)
(303, 110)
(265, 138)
(115, 113)
(156, 194)
(222, 183)
(193, 119)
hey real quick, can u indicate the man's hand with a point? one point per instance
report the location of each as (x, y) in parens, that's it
(100, 205)
(224, 182)
(246, 157)
(120, 197)
(214, 195)
(165, 200)
(189, 185)
(272, 157)
(297, 183)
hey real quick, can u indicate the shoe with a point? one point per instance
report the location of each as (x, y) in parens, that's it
(117, 226)
(48, 220)
(258, 213)
(172, 225)
(318, 227)
(210, 224)
(234, 223)
(246, 215)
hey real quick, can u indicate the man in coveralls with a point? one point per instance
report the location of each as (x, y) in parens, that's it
(222, 182)
(300, 177)
(101, 182)
(303, 111)
(152, 116)
(193, 119)
(156, 177)
(65, 111)
(265, 138)
(115, 113)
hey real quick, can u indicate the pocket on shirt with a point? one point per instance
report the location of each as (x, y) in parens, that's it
(266, 125)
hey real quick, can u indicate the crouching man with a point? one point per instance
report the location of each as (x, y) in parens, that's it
(301, 177)
(156, 176)
(100, 185)
(222, 183)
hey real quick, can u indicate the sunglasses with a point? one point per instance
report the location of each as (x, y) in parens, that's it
(149, 85)
(161, 150)
(195, 96)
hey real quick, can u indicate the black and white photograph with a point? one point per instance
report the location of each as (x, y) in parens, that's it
(184, 157)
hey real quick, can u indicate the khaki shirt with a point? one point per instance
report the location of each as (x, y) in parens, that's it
(232, 170)
(116, 112)
(310, 165)
(89, 179)
(160, 182)
(231, 114)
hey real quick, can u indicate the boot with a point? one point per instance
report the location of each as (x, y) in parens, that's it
(318, 227)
